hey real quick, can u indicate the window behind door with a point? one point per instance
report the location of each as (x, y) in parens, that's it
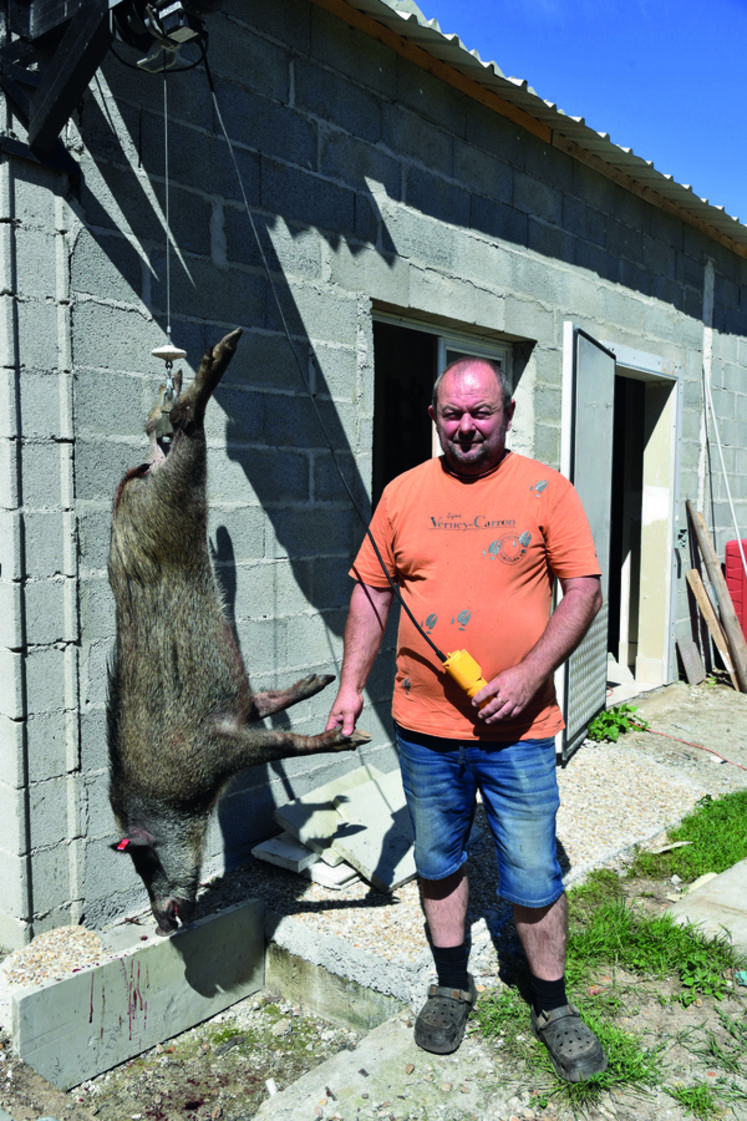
(407, 361)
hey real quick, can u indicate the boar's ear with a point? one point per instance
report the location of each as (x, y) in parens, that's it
(138, 837)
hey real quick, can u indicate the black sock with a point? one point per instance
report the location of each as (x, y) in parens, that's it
(451, 966)
(548, 994)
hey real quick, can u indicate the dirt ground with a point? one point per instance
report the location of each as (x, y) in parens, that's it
(225, 1068)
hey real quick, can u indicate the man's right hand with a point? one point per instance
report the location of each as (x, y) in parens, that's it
(345, 711)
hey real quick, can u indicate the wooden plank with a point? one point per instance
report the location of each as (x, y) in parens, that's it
(730, 623)
(692, 662)
(706, 609)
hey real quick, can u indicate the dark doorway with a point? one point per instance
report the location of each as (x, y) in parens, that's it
(405, 370)
(625, 521)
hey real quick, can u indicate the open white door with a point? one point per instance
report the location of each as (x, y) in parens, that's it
(586, 459)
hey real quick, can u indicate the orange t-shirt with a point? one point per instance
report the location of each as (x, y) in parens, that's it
(475, 561)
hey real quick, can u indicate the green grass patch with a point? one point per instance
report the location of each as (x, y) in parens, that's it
(716, 832)
(615, 934)
(700, 1099)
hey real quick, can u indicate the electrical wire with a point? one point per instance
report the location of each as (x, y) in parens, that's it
(276, 296)
(166, 203)
(687, 743)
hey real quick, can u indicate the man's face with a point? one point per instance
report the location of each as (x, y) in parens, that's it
(471, 419)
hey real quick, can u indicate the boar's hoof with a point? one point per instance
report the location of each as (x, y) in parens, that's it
(358, 737)
(314, 683)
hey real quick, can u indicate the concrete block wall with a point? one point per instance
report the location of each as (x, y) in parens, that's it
(374, 185)
(42, 789)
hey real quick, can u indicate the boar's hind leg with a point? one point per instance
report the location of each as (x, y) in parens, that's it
(274, 700)
(193, 402)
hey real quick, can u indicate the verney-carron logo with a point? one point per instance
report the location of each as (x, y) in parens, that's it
(510, 548)
(480, 521)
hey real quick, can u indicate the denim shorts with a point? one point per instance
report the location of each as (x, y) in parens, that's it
(519, 789)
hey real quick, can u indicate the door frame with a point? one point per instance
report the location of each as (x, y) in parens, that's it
(656, 659)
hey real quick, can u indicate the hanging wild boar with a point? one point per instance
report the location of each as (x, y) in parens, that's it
(180, 708)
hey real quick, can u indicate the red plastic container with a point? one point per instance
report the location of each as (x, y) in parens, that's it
(736, 581)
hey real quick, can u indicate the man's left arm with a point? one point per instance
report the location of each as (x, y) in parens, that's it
(510, 692)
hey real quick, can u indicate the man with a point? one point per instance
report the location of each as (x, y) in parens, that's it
(475, 539)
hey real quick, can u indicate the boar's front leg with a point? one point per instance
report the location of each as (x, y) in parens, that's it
(275, 700)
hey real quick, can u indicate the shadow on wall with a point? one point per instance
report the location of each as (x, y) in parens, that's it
(293, 452)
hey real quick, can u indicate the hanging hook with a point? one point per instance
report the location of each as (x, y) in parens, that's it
(169, 354)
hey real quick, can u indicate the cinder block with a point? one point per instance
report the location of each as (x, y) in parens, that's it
(14, 876)
(93, 532)
(93, 755)
(49, 539)
(11, 751)
(47, 743)
(37, 332)
(40, 405)
(12, 819)
(9, 493)
(42, 480)
(11, 558)
(11, 615)
(95, 386)
(52, 886)
(322, 93)
(94, 1019)
(48, 811)
(46, 678)
(11, 685)
(277, 476)
(9, 425)
(438, 197)
(14, 932)
(50, 615)
(95, 659)
(108, 337)
(97, 610)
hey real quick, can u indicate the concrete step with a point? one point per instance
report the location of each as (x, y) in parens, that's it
(719, 905)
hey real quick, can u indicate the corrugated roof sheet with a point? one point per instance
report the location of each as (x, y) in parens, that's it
(567, 132)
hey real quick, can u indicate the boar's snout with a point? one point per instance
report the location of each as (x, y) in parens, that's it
(170, 912)
(169, 874)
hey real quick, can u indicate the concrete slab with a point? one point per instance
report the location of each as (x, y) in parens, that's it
(313, 819)
(377, 841)
(718, 905)
(285, 852)
(334, 878)
(78, 1027)
(388, 1067)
